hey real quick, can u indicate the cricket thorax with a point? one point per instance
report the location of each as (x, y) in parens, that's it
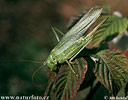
(51, 61)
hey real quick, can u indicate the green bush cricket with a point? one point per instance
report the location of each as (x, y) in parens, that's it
(73, 42)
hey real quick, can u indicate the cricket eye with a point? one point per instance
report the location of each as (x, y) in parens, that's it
(54, 59)
(52, 62)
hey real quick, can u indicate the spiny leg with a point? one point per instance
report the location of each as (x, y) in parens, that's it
(85, 44)
(71, 67)
(88, 38)
(58, 31)
(54, 31)
(57, 37)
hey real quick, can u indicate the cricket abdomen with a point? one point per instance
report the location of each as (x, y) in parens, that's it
(66, 52)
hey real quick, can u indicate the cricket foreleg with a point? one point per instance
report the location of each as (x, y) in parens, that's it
(54, 31)
(71, 67)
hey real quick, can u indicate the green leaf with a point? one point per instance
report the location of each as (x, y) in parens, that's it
(111, 69)
(67, 83)
(109, 29)
(123, 91)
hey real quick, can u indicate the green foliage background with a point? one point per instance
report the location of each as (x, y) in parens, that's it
(25, 33)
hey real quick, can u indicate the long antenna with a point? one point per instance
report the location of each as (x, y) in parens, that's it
(30, 61)
(35, 84)
(21, 60)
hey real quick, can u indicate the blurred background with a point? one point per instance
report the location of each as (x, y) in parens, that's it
(25, 33)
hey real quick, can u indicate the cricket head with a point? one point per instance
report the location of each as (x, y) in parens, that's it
(51, 62)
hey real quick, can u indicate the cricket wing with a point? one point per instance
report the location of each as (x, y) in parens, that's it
(80, 27)
(84, 23)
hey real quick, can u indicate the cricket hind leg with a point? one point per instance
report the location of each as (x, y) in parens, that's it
(58, 31)
(56, 35)
(87, 39)
(84, 45)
